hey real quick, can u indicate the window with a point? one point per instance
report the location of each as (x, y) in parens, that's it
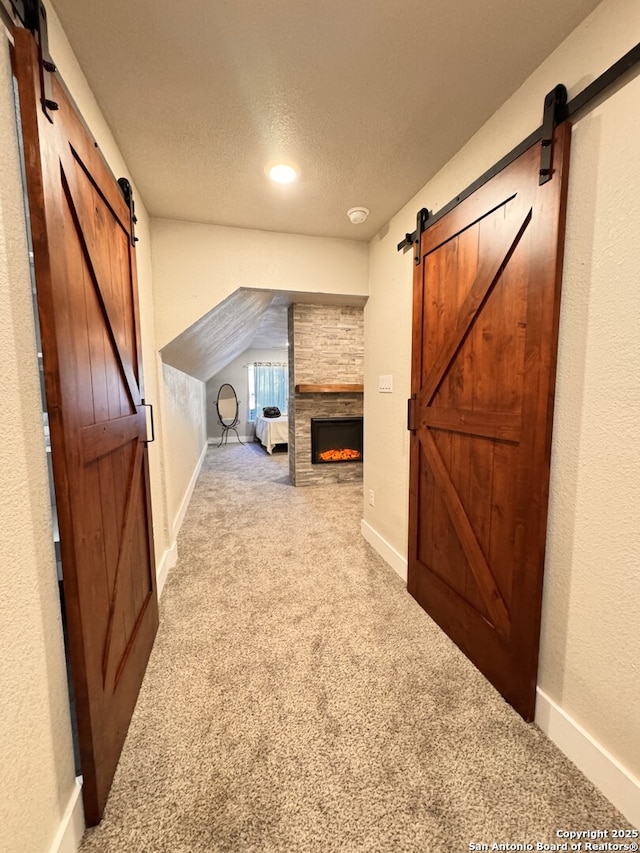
(268, 386)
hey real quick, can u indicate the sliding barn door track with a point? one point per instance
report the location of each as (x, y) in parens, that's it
(556, 110)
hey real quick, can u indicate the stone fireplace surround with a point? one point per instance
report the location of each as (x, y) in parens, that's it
(326, 348)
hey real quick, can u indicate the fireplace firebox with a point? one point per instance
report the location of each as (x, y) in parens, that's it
(336, 440)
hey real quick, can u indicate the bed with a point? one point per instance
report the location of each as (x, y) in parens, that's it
(272, 431)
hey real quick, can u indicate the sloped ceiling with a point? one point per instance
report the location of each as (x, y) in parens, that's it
(247, 318)
(272, 332)
(217, 338)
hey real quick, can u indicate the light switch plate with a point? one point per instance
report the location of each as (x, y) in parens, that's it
(385, 384)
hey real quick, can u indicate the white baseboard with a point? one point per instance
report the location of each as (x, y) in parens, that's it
(618, 785)
(388, 553)
(182, 511)
(168, 561)
(72, 825)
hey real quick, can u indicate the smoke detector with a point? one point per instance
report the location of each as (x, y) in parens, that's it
(357, 214)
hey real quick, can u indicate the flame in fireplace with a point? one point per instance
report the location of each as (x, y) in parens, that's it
(341, 455)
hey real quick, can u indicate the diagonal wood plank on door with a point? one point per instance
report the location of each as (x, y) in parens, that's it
(110, 666)
(464, 529)
(515, 224)
(85, 236)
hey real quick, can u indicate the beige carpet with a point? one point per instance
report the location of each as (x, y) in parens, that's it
(298, 699)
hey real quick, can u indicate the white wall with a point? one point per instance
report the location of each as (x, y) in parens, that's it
(197, 266)
(590, 653)
(235, 373)
(37, 779)
(185, 436)
(591, 623)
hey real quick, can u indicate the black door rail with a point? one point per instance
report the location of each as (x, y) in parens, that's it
(556, 110)
(33, 16)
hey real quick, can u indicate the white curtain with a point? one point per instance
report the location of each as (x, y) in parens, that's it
(271, 387)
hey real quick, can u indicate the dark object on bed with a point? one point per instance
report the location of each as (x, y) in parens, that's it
(271, 412)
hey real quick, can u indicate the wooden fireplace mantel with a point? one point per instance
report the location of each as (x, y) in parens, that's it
(330, 389)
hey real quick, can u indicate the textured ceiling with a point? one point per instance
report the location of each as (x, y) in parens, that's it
(247, 318)
(367, 97)
(219, 336)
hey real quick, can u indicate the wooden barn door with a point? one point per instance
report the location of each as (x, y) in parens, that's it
(87, 304)
(485, 329)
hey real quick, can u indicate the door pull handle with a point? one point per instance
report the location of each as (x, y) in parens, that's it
(153, 430)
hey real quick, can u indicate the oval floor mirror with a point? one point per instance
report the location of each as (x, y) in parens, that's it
(227, 407)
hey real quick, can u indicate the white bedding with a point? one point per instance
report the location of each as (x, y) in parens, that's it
(272, 431)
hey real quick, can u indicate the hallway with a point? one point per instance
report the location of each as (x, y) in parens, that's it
(297, 699)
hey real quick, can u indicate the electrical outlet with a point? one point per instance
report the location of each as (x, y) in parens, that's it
(385, 384)
(372, 498)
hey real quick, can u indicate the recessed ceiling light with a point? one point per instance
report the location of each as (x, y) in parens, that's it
(282, 173)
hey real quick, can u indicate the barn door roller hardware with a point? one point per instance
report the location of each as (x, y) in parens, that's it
(554, 105)
(421, 226)
(556, 110)
(127, 193)
(33, 16)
